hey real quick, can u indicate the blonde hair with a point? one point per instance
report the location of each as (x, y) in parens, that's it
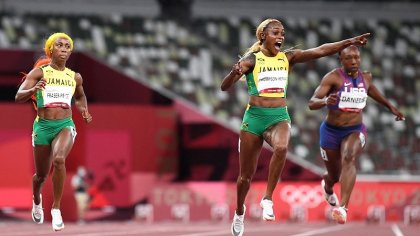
(49, 44)
(260, 29)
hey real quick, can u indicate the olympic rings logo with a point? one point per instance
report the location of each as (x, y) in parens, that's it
(303, 195)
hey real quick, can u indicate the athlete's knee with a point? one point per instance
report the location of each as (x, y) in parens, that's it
(330, 177)
(59, 162)
(40, 178)
(280, 150)
(349, 157)
(335, 178)
(244, 180)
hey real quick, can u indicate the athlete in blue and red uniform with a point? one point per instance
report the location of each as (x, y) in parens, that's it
(343, 135)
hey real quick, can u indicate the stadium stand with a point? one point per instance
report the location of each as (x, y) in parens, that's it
(189, 60)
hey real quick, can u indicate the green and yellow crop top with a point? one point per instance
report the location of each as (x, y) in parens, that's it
(59, 89)
(269, 77)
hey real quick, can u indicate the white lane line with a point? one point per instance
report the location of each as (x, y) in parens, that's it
(249, 229)
(214, 233)
(271, 229)
(396, 230)
(323, 230)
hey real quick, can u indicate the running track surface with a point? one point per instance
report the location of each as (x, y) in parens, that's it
(131, 228)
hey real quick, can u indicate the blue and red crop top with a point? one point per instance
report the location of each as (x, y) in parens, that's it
(352, 94)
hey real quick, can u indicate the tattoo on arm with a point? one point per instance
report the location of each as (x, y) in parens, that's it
(289, 54)
(249, 59)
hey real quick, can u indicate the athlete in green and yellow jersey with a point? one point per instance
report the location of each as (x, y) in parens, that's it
(266, 68)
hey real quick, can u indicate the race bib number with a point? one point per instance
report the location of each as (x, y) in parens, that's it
(272, 81)
(353, 99)
(53, 95)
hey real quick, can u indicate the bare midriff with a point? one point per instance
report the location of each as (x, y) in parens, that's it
(54, 113)
(341, 118)
(267, 101)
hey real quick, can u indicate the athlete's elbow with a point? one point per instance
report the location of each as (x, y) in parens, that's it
(224, 87)
(18, 99)
(311, 105)
(314, 106)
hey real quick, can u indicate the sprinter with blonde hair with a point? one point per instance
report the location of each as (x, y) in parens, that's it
(51, 86)
(266, 68)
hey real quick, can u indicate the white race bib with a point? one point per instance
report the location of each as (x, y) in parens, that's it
(354, 99)
(272, 81)
(57, 94)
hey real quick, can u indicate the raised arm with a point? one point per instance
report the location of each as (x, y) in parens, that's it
(374, 93)
(80, 99)
(243, 66)
(299, 56)
(322, 95)
(32, 83)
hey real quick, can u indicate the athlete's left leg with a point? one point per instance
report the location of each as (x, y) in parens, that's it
(278, 138)
(351, 149)
(61, 146)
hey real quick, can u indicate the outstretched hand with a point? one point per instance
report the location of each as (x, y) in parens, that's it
(398, 115)
(87, 117)
(360, 40)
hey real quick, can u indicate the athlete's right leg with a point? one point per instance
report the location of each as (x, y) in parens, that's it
(332, 161)
(42, 168)
(249, 150)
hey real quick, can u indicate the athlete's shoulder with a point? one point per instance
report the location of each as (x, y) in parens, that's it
(249, 59)
(366, 73)
(333, 73)
(332, 78)
(292, 52)
(44, 67)
(36, 72)
(250, 55)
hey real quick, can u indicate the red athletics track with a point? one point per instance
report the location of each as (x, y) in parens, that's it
(129, 228)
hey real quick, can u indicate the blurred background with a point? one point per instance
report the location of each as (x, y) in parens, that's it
(165, 137)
